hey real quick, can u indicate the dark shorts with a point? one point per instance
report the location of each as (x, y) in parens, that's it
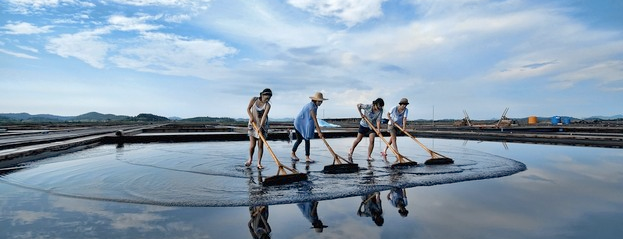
(394, 130)
(364, 130)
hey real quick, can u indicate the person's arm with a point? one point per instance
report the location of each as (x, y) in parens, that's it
(313, 115)
(252, 119)
(265, 115)
(378, 121)
(389, 116)
(404, 119)
(359, 212)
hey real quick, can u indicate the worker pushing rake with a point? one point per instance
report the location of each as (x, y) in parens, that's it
(282, 177)
(397, 121)
(436, 158)
(402, 160)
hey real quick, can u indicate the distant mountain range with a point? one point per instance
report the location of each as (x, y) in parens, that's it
(99, 117)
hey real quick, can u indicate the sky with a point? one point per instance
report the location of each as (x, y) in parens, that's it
(194, 58)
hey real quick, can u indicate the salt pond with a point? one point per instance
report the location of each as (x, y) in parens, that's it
(201, 190)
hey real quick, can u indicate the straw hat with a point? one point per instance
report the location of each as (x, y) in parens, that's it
(318, 226)
(318, 96)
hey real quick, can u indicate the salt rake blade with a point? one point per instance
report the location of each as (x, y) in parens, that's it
(439, 161)
(341, 168)
(284, 179)
(404, 164)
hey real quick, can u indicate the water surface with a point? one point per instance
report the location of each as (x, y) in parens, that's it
(200, 190)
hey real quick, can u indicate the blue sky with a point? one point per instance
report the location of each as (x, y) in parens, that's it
(194, 58)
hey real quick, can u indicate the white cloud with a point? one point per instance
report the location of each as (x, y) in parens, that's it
(161, 2)
(349, 12)
(86, 46)
(24, 28)
(17, 54)
(30, 6)
(30, 49)
(123, 23)
(609, 72)
(28, 217)
(172, 54)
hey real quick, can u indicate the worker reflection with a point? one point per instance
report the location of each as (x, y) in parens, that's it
(258, 225)
(398, 198)
(371, 205)
(310, 211)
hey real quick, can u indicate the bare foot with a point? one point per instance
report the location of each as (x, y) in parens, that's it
(294, 158)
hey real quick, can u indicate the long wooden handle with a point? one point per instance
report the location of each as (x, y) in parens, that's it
(432, 153)
(380, 135)
(336, 158)
(259, 133)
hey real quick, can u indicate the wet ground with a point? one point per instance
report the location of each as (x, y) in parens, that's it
(202, 190)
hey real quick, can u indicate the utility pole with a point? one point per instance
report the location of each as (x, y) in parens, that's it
(433, 116)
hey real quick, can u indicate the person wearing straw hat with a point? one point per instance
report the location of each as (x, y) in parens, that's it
(310, 211)
(374, 112)
(305, 123)
(258, 113)
(397, 116)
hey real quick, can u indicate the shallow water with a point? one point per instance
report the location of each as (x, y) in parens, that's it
(201, 190)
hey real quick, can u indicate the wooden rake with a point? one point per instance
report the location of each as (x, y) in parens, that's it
(282, 177)
(436, 158)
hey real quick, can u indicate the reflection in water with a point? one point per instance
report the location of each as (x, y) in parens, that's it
(371, 207)
(398, 198)
(566, 192)
(258, 225)
(310, 211)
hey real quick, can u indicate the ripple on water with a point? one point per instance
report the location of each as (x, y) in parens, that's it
(211, 174)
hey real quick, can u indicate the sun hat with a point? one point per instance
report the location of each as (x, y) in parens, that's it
(403, 101)
(318, 226)
(318, 96)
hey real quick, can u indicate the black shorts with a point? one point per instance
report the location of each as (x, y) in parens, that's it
(364, 130)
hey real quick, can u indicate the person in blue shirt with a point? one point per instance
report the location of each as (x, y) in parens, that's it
(374, 112)
(305, 123)
(310, 211)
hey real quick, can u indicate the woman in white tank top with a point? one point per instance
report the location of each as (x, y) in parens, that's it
(258, 113)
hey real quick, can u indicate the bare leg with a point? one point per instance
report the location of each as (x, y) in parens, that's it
(395, 145)
(260, 152)
(251, 151)
(371, 145)
(355, 143)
